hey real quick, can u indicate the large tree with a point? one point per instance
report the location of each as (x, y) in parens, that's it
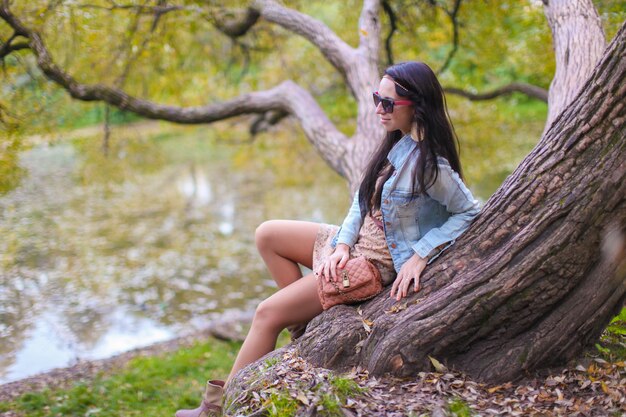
(536, 277)
(358, 66)
(528, 284)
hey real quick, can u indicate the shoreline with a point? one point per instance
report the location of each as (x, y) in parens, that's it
(87, 370)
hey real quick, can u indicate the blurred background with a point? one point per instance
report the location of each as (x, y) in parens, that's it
(117, 232)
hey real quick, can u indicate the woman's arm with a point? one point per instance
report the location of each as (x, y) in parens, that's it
(349, 231)
(450, 191)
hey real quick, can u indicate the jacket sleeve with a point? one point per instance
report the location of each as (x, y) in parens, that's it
(349, 231)
(450, 191)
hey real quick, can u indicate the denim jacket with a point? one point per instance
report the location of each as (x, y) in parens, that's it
(426, 224)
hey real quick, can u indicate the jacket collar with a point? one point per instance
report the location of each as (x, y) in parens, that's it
(401, 151)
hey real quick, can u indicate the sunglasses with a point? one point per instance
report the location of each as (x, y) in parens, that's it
(389, 103)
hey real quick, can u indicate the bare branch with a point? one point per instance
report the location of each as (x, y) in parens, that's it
(8, 47)
(336, 51)
(287, 97)
(392, 30)
(143, 9)
(264, 121)
(235, 27)
(528, 89)
(452, 14)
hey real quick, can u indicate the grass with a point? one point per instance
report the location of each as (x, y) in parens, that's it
(154, 386)
(331, 398)
(458, 408)
(157, 386)
(282, 405)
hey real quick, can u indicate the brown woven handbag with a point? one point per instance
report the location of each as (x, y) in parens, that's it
(359, 280)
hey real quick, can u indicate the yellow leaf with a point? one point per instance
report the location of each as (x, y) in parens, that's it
(363, 31)
(366, 326)
(439, 367)
(604, 387)
(302, 398)
(494, 389)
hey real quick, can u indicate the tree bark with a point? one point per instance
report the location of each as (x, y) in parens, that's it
(527, 286)
(578, 41)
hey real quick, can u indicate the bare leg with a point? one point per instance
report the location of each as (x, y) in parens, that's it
(284, 244)
(296, 303)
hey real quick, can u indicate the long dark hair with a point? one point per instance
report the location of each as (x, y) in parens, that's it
(439, 138)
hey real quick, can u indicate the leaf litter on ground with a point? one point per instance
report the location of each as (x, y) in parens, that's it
(595, 388)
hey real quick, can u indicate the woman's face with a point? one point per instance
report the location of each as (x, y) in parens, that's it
(402, 116)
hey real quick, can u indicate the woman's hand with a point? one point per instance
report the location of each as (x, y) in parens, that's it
(410, 271)
(338, 259)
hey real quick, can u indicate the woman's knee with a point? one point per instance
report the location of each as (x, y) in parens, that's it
(269, 315)
(265, 233)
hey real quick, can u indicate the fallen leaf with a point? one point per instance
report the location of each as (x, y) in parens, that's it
(439, 367)
(302, 398)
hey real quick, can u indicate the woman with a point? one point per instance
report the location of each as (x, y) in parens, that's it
(410, 206)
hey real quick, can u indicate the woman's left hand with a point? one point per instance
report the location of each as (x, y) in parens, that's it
(410, 271)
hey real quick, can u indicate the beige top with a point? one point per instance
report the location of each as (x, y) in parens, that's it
(370, 244)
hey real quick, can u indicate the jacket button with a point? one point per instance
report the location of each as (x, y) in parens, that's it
(386, 201)
(393, 245)
(388, 223)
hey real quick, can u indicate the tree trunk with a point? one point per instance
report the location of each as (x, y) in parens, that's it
(528, 286)
(578, 42)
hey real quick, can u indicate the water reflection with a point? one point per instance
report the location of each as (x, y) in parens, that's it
(100, 255)
(93, 267)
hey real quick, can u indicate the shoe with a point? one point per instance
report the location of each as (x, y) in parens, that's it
(296, 330)
(211, 402)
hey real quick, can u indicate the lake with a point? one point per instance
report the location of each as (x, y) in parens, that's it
(102, 254)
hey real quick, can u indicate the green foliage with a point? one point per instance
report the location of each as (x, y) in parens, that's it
(282, 405)
(618, 324)
(200, 65)
(154, 386)
(612, 344)
(613, 14)
(458, 408)
(330, 405)
(345, 387)
(11, 172)
(269, 362)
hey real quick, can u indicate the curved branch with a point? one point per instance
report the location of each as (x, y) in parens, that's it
(8, 47)
(452, 14)
(334, 49)
(238, 26)
(232, 26)
(286, 97)
(528, 89)
(392, 30)
(264, 121)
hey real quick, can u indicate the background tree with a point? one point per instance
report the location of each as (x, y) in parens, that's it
(519, 269)
(357, 66)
